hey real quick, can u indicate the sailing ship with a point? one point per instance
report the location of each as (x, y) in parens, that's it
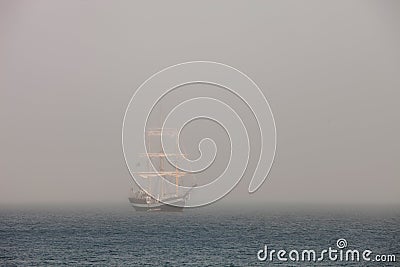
(156, 197)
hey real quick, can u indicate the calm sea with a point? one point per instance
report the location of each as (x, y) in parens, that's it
(212, 236)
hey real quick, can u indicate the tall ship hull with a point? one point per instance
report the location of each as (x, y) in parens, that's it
(174, 204)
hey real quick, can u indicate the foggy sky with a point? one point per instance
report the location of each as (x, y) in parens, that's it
(330, 71)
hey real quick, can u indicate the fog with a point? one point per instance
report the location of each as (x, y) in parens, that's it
(330, 71)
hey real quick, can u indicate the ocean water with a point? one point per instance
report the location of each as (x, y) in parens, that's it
(212, 236)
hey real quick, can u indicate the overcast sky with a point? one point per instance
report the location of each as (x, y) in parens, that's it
(330, 70)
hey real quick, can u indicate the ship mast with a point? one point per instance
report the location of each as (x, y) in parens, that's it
(162, 180)
(162, 172)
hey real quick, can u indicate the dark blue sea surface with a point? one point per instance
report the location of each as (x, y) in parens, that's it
(211, 236)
